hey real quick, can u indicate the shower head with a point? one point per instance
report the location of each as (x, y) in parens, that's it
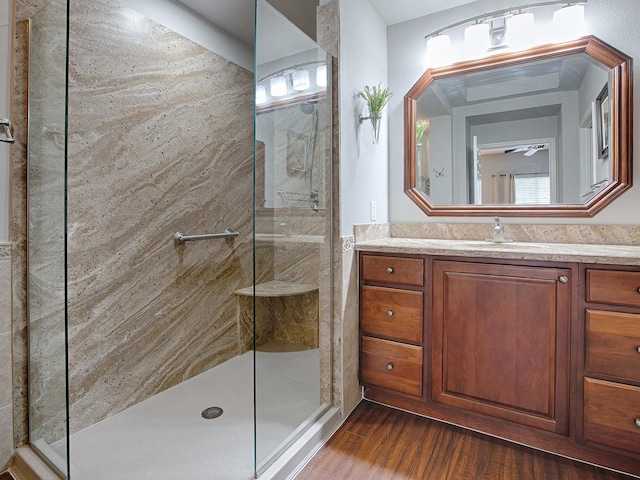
(307, 108)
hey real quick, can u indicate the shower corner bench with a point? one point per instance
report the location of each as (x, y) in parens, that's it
(284, 311)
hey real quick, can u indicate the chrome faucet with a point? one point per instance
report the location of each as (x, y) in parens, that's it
(499, 236)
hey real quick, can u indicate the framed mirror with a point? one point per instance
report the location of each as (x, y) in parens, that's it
(546, 132)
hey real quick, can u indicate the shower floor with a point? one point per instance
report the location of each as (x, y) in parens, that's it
(165, 436)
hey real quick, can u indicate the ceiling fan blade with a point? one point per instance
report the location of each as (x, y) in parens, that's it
(516, 150)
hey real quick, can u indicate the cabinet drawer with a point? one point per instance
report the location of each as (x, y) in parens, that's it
(391, 365)
(612, 414)
(612, 343)
(390, 312)
(613, 287)
(400, 270)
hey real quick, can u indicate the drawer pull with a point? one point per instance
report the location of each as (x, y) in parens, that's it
(638, 349)
(563, 279)
(390, 271)
(390, 367)
(390, 314)
(638, 290)
(637, 421)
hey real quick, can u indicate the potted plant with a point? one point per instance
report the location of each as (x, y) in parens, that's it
(376, 98)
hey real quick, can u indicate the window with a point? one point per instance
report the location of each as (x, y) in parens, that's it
(532, 189)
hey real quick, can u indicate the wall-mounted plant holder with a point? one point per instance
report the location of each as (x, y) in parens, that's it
(376, 98)
(375, 123)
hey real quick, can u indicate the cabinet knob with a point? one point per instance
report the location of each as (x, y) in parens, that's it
(390, 270)
(638, 290)
(563, 279)
(638, 349)
(390, 314)
(390, 367)
(637, 421)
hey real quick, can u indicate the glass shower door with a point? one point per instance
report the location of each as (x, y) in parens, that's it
(46, 246)
(293, 274)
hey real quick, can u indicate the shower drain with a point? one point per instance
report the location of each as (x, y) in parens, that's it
(211, 412)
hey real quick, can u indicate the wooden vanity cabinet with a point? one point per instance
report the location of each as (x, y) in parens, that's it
(544, 354)
(611, 360)
(391, 323)
(501, 341)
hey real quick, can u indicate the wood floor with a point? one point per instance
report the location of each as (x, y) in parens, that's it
(380, 443)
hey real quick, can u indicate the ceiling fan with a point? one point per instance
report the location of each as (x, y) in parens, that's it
(529, 149)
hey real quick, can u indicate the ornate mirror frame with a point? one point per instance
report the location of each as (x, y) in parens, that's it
(620, 148)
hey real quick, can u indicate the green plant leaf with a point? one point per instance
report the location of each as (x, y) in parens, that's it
(376, 97)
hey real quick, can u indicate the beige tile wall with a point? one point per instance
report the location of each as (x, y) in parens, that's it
(6, 419)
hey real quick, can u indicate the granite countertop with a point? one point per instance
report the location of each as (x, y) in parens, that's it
(553, 252)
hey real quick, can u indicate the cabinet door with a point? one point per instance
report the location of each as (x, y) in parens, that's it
(501, 341)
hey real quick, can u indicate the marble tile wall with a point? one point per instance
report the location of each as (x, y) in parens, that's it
(24, 9)
(160, 140)
(6, 420)
(581, 234)
(352, 392)
(46, 284)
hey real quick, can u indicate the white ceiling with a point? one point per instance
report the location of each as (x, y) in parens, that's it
(233, 16)
(396, 11)
(237, 16)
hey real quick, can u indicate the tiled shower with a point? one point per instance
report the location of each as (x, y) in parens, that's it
(147, 134)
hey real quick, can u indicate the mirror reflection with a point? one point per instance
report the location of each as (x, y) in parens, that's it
(529, 131)
(507, 135)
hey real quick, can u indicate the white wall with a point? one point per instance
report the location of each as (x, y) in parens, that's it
(190, 25)
(613, 21)
(363, 166)
(5, 65)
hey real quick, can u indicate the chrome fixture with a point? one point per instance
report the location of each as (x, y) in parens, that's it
(511, 27)
(499, 236)
(291, 82)
(5, 123)
(180, 238)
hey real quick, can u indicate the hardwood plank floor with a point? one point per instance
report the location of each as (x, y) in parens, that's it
(381, 443)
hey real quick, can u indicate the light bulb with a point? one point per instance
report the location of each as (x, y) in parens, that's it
(261, 94)
(476, 40)
(300, 80)
(521, 32)
(278, 86)
(321, 75)
(439, 51)
(568, 23)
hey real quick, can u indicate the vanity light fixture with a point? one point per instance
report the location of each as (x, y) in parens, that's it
(261, 94)
(511, 28)
(278, 86)
(300, 80)
(521, 31)
(568, 22)
(439, 50)
(321, 75)
(291, 82)
(476, 40)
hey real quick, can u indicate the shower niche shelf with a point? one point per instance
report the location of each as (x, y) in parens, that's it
(285, 311)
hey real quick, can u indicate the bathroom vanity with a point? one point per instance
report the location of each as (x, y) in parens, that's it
(538, 344)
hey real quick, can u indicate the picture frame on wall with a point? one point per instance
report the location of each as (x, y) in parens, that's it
(603, 121)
